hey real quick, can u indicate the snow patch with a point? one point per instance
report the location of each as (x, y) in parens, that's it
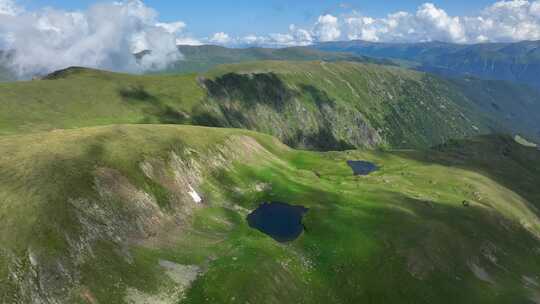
(194, 195)
(481, 273)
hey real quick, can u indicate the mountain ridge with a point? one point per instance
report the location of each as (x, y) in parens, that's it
(517, 62)
(317, 105)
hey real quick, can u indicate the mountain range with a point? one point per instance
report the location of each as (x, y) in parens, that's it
(516, 62)
(120, 188)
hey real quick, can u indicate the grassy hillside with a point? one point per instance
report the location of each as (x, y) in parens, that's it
(515, 106)
(78, 97)
(317, 105)
(205, 57)
(387, 105)
(107, 215)
(320, 105)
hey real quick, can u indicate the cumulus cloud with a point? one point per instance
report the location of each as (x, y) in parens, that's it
(172, 27)
(8, 7)
(220, 38)
(104, 36)
(327, 28)
(294, 37)
(503, 21)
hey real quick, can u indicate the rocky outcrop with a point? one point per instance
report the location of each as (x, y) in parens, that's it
(121, 213)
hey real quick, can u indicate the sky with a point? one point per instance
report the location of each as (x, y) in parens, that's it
(39, 36)
(244, 17)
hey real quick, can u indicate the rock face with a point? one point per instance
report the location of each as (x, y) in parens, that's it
(116, 213)
(338, 106)
(120, 213)
(265, 103)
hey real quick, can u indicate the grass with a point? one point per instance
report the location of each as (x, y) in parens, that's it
(383, 103)
(314, 105)
(84, 97)
(206, 57)
(400, 235)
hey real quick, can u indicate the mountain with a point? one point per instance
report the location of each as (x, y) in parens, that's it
(157, 214)
(317, 105)
(515, 105)
(516, 62)
(205, 57)
(340, 105)
(114, 189)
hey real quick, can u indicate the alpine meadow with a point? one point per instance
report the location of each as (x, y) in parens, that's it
(364, 153)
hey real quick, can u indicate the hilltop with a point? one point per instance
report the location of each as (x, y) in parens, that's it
(108, 215)
(316, 104)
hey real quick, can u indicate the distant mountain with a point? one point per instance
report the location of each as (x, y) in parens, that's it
(517, 62)
(515, 105)
(205, 57)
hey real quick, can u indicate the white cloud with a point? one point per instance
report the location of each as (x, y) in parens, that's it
(504, 21)
(8, 7)
(436, 24)
(104, 36)
(188, 41)
(507, 21)
(220, 38)
(173, 27)
(301, 36)
(294, 37)
(177, 29)
(327, 28)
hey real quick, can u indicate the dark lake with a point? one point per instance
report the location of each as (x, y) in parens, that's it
(283, 222)
(361, 167)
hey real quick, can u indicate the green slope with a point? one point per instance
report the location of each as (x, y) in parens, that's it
(515, 106)
(357, 104)
(78, 97)
(316, 105)
(205, 57)
(105, 215)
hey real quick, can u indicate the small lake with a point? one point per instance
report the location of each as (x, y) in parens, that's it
(361, 167)
(281, 221)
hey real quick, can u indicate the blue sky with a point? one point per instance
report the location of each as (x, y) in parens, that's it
(81, 33)
(242, 17)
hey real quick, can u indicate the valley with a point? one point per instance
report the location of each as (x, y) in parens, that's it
(105, 215)
(323, 178)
